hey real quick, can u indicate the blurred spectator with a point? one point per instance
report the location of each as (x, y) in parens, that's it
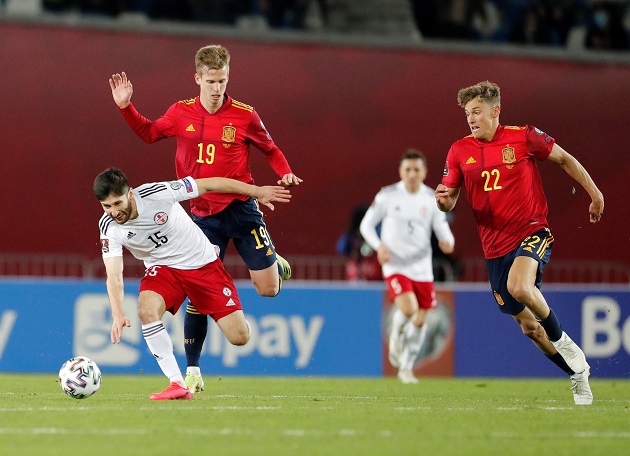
(288, 14)
(57, 6)
(547, 22)
(605, 27)
(425, 15)
(362, 263)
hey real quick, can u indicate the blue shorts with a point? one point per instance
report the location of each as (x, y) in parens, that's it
(241, 221)
(536, 246)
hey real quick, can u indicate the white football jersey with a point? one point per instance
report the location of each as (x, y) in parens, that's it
(163, 233)
(407, 220)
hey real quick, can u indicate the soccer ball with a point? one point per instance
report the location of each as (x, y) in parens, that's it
(80, 377)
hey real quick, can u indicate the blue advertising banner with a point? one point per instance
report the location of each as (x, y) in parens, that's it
(489, 343)
(332, 330)
(325, 329)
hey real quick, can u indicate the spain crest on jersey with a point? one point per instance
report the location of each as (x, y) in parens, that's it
(229, 134)
(509, 156)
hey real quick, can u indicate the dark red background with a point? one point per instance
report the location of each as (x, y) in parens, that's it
(342, 115)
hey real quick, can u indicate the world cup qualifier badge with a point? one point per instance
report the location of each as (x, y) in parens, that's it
(105, 245)
(445, 173)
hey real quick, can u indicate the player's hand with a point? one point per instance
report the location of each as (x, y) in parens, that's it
(289, 180)
(383, 254)
(596, 209)
(270, 193)
(121, 89)
(441, 194)
(446, 247)
(117, 328)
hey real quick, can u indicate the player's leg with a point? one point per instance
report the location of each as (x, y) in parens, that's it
(523, 283)
(157, 292)
(235, 327)
(531, 327)
(196, 323)
(520, 272)
(402, 293)
(249, 233)
(212, 290)
(415, 333)
(416, 329)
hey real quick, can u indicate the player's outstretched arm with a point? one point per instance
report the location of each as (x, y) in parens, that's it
(121, 89)
(116, 293)
(265, 195)
(575, 169)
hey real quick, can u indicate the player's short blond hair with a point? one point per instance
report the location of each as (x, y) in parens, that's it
(487, 91)
(212, 57)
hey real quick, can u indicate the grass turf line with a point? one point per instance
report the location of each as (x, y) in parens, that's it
(315, 416)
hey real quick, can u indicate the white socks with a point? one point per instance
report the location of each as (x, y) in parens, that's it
(413, 340)
(161, 347)
(398, 321)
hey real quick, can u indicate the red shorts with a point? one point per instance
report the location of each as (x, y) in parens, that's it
(424, 291)
(210, 288)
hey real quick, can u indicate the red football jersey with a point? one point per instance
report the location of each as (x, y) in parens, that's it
(502, 183)
(211, 145)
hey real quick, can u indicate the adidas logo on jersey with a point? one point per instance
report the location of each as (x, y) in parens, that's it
(470, 161)
(190, 128)
(130, 235)
(269, 252)
(230, 303)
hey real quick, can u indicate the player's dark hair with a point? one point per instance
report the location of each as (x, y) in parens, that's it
(486, 91)
(414, 154)
(112, 181)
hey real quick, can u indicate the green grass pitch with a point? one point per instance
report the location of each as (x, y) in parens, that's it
(315, 416)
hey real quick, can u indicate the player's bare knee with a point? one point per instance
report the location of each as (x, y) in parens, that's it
(267, 291)
(147, 315)
(533, 330)
(522, 292)
(418, 319)
(240, 337)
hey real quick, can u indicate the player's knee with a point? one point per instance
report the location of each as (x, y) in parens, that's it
(418, 319)
(533, 330)
(267, 290)
(240, 336)
(521, 291)
(147, 315)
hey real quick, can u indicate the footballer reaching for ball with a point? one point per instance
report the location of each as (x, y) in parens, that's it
(180, 261)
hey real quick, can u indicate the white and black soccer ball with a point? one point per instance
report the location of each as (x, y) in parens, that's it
(80, 377)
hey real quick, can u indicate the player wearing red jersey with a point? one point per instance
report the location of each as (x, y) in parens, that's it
(496, 164)
(213, 134)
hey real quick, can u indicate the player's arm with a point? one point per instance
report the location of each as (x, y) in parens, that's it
(446, 197)
(148, 130)
(575, 169)
(373, 216)
(116, 294)
(443, 233)
(260, 137)
(264, 195)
